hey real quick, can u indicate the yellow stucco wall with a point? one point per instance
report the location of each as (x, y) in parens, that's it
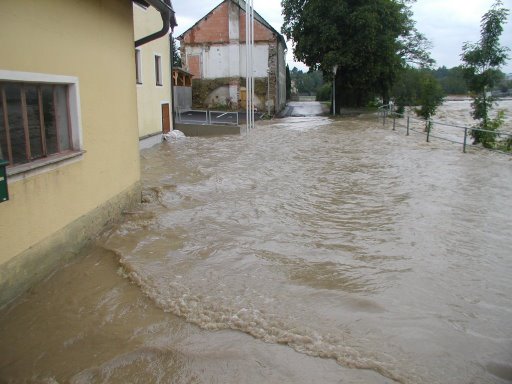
(93, 41)
(149, 96)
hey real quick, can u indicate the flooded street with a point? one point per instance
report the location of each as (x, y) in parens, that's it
(310, 250)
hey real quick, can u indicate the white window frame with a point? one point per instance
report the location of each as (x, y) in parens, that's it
(138, 66)
(44, 164)
(159, 76)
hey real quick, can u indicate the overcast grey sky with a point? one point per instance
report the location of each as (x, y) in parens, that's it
(446, 23)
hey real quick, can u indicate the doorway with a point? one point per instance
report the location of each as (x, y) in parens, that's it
(166, 118)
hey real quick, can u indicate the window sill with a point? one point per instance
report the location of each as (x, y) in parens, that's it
(43, 165)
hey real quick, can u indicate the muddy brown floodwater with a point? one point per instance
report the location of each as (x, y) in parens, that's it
(311, 250)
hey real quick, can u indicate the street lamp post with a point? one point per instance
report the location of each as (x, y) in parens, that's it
(334, 70)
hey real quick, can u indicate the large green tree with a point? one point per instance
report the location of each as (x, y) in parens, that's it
(482, 61)
(370, 42)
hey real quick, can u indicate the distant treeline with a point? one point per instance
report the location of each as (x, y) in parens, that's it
(451, 81)
(407, 88)
(306, 83)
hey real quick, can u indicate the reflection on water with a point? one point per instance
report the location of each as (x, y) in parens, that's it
(335, 239)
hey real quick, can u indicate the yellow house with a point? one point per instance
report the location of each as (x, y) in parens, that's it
(153, 78)
(68, 128)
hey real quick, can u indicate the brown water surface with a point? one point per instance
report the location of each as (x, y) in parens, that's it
(311, 250)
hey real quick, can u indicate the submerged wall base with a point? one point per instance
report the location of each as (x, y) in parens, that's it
(39, 261)
(208, 130)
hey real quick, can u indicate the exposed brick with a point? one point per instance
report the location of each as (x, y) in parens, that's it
(261, 33)
(213, 28)
(194, 66)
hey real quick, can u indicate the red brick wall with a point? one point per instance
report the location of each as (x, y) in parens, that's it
(215, 29)
(261, 33)
(194, 65)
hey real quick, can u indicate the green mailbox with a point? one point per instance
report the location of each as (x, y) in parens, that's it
(4, 193)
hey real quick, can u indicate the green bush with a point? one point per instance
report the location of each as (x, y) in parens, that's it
(324, 92)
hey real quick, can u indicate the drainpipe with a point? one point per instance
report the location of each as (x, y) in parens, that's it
(168, 20)
(173, 117)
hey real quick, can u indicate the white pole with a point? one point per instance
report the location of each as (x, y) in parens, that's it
(333, 97)
(334, 70)
(247, 67)
(252, 63)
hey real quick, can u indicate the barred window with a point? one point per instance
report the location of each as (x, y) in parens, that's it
(35, 121)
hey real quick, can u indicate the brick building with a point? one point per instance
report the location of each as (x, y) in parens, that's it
(213, 50)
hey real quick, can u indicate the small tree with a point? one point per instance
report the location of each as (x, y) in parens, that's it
(430, 97)
(324, 92)
(482, 61)
(288, 83)
(405, 91)
(418, 87)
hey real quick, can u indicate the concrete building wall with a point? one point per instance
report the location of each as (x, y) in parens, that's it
(215, 60)
(182, 97)
(151, 96)
(56, 207)
(214, 48)
(281, 64)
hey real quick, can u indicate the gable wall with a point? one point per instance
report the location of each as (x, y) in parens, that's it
(212, 29)
(261, 33)
(215, 48)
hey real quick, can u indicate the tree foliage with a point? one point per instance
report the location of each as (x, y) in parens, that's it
(288, 83)
(307, 83)
(369, 40)
(482, 61)
(419, 88)
(452, 80)
(430, 96)
(324, 93)
(405, 91)
(176, 58)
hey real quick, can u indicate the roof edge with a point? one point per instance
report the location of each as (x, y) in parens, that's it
(161, 6)
(257, 17)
